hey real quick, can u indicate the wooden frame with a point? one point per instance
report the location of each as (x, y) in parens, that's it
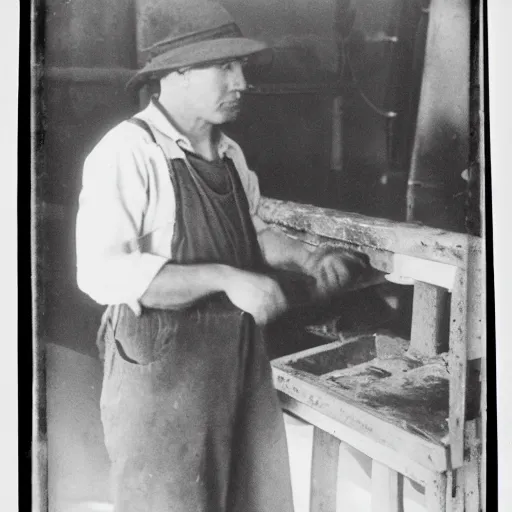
(443, 266)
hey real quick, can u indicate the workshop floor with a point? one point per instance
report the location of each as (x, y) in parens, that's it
(78, 463)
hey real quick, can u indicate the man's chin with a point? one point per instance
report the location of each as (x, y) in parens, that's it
(232, 117)
(231, 112)
(226, 116)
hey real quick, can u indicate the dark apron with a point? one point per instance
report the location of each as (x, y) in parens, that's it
(197, 426)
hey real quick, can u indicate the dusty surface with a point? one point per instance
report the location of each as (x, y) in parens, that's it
(383, 375)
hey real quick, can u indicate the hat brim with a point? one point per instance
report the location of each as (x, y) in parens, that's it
(200, 53)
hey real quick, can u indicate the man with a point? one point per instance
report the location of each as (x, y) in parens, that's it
(168, 236)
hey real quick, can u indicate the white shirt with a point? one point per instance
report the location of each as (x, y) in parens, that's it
(127, 207)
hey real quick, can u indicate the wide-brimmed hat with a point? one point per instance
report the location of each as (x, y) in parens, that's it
(199, 32)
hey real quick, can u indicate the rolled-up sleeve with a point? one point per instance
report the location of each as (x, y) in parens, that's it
(111, 268)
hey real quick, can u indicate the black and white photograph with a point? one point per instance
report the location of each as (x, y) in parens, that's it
(260, 256)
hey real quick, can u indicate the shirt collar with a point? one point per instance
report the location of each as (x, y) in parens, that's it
(158, 119)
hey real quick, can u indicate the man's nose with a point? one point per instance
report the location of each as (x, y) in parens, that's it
(238, 82)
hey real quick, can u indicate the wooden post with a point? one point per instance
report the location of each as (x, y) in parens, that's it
(428, 315)
(455, 491)
(387, 489)
(435, 494)
(458, 368)
(324, 472)
(483, 437)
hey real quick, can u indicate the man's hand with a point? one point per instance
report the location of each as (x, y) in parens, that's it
(333, 269)
(256, 294)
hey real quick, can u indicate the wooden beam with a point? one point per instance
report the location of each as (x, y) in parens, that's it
(418, 269)
(476, 302)
(428, 316)
(455, 490)
(387, 489)
(435, 494)
(79, 75)
(324, 472)
(379, 259)
(374, 233)
(483, 436)
(401, 463)
(458, 368)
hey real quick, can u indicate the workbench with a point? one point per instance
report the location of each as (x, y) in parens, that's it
(414, 405)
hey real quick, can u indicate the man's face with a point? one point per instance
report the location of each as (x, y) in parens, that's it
(214, 92)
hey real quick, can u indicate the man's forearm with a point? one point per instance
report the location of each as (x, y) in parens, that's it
(176, 286)
(281, 251)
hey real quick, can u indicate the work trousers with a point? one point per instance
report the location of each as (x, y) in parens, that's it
(200, 428)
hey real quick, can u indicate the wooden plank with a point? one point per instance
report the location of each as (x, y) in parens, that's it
(458, 368)
(455, 490)
(39, 452)
(304, 388)
(428, 271)
(449, 487)
(379, 259)
(324, 472)
(476, 294)
(482, 344)
(76, 75)
(37, 496)
(387, 489)
(483, 436)
(292, 358)
(428, 319)
(380, 234)
(435, 494)
(402, 463)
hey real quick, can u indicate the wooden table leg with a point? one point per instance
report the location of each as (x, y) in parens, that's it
(471, 469)
(387, 489)
(428, 319)
(463, 484)
(455, 490)
(435, 494)
(324, 472)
